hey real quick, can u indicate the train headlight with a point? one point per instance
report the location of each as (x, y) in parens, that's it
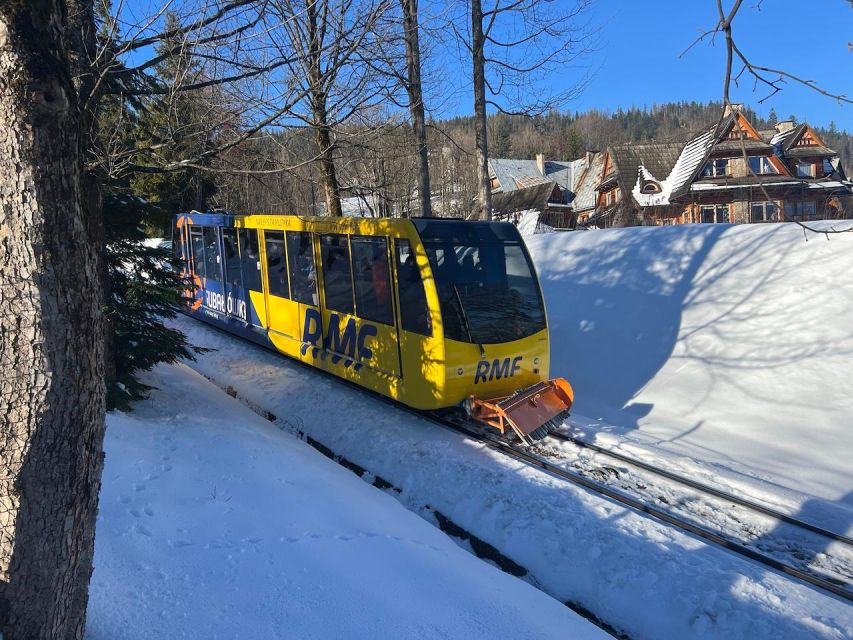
(459, 371)
(535, 360)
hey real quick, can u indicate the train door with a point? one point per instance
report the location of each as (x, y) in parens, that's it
(235, 300)
(214, 290)
(415, 320)
(291, 285)
(358, 313)
(250, 262)
(197, 267)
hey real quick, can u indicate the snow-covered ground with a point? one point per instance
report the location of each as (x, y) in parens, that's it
(215, 524)
(634, 573)
(724, 351)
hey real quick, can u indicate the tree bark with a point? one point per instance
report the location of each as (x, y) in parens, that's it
(51, 334)
(328, 175)
(416, 101)
(478, 58)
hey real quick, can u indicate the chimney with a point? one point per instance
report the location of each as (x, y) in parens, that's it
(784, 125)
(540, 163)
(734, 107)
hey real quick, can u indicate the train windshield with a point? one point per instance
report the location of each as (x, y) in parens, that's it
(486, 286)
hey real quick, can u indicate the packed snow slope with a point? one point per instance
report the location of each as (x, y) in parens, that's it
(215, 524)
(730, 344)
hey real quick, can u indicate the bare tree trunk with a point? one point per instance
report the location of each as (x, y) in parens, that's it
(478, 58)
(321, 120)
(328, 175)
(416, 101)
(51, 342)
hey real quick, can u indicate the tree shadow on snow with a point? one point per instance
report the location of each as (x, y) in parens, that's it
(634, 300)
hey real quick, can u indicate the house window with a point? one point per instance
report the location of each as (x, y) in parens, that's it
(805, 170)
(827, 167)
(718, 213)
(763, 211)
(761, 165)
(717, 168)
(801, 210)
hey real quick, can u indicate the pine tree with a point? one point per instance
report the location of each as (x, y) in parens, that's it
(501, 144)
(145, 289)
(179, 127)
(772, 119)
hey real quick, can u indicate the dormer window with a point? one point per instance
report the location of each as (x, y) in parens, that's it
(761, 165)
(718, 168)
(651, 187)
(805, 170)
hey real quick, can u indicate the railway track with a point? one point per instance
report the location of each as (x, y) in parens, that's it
(704, 488)
(453, 422)
(833, 586)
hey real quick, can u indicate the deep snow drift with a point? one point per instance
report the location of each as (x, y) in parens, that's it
(726, 344)
(215, 524)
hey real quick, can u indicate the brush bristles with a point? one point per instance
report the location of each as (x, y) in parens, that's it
(552, 425)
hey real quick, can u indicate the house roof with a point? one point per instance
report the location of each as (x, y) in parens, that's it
(654, 161)
(738, 146)
(508, 171)
(786, 138)
(767, 134)
(517, 174)
(561, 172)
(587, 182)
(809, 152)
(534, 197)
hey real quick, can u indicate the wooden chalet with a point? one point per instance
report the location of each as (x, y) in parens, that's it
(726, 173)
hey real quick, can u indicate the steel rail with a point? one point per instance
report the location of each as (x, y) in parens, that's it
(839, 589)
(704, 488)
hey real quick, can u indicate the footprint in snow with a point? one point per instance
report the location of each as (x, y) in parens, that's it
(138, 528)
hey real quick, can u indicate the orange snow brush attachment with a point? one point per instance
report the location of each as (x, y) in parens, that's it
(532, 413)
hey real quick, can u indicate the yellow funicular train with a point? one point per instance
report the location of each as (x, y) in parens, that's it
(431, 312)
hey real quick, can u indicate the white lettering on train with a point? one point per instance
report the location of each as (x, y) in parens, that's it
(225, 304)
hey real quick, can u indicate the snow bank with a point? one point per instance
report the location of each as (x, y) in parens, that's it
(730, 345)
(215, 524)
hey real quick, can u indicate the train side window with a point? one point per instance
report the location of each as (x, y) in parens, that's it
(372, 279)
(303, 274)
(337, 275)
(232, 259)
(250, 258)
(414, 313)
(276, 264)
(212, 259)
(177, 242)
(197, 242)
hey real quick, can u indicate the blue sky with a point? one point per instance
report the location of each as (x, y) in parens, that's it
(637, 62)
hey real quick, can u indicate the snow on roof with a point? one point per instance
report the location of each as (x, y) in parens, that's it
(705, 186)
(587, 182)
(691, 156)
